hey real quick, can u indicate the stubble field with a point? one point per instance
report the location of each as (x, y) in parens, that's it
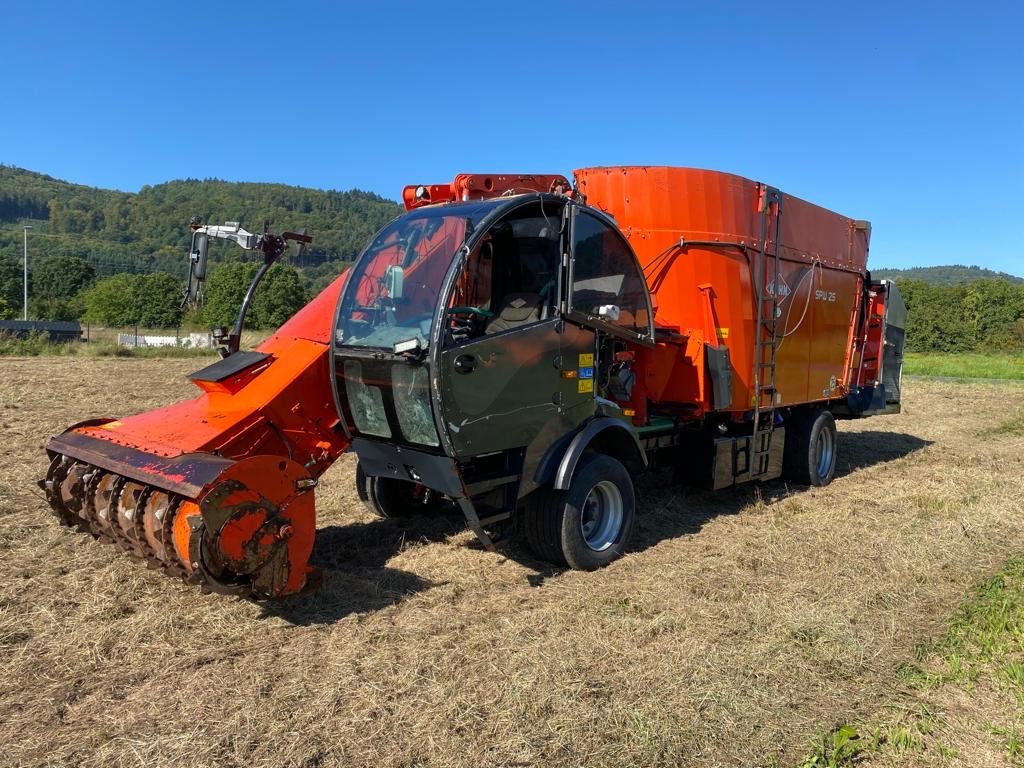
(741, 623)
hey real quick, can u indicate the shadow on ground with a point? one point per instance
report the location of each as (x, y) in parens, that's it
(666, 510)
(689, 509)
(354, 557)
(354, 560)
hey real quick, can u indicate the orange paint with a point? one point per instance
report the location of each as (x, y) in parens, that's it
(273, 428)
(701, 290)
(182, 533)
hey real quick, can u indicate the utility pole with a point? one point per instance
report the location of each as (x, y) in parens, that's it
(25, 282)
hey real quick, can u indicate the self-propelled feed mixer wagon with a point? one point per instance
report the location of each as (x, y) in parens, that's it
(518, 347)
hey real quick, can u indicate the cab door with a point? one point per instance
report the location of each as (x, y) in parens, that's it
(502, 383)
(499, 391)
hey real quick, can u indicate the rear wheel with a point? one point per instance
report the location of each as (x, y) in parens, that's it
(811, 448)
(588, 525)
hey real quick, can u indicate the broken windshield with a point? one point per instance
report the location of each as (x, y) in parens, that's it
(393, 289)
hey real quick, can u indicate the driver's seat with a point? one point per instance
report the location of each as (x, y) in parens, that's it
(514, 310)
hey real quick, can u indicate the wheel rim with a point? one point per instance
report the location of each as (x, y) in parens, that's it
(602, 516)
(824, 451)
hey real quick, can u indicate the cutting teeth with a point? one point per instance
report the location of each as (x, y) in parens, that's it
(55, 477)
(148, 523)
(131, 497)
(157, 507)
(104, 492)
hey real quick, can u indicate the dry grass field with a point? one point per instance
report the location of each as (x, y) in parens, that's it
(742, 625)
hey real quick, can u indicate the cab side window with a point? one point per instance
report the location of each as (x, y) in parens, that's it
(511, 276)
(607, 285)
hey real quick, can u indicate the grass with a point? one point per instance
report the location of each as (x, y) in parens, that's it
(985, 638)
(1012, 426)
(979, 656)
(967, 365)
(738, 622)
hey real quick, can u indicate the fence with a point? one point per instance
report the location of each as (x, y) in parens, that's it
(188, 340)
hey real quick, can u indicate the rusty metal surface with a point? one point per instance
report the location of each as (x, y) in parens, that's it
(140, 519)
(185, 475)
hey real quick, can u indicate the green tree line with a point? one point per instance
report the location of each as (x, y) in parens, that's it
(948, 274)
(67, 288)
(120, 259)
(147, 231)
(983, 315)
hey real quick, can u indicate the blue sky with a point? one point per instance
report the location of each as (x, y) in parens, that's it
(907, 114)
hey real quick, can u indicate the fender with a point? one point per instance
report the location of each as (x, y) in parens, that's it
(605, 428)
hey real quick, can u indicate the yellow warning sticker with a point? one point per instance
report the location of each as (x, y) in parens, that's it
(723, 333)
(585, 385)
(586, 361)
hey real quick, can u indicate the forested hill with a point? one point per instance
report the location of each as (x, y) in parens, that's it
(952, 274)
(148, 230)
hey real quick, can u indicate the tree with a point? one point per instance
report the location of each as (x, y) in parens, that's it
(152, 301)
(224, 291)
(111, 301)
(158, 300)
(279, 296)
(10, 289)
(57, 309)
(60, 277)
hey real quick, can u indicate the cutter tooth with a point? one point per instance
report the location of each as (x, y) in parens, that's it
(54, 478)
(125, 510)
(158, 506)
(150, 524)
(102, 486)
(108, 491)
(73, 496)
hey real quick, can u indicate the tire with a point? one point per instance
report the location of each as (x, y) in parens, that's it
(811, 448)
(391, 497)
(589, 525)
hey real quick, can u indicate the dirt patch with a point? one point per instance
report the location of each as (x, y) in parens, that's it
(741, 622)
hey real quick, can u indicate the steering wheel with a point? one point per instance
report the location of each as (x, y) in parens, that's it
(466, 323)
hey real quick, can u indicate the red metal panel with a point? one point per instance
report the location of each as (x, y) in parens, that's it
(284, 408)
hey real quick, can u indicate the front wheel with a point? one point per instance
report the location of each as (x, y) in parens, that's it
(811, 448)
(391, 497)
(587, 526)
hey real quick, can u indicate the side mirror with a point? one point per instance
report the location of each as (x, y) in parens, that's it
(394, 282)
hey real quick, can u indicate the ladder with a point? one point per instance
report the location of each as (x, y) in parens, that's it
(766, 276)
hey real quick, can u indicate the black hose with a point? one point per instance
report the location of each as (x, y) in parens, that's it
(236, 335)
